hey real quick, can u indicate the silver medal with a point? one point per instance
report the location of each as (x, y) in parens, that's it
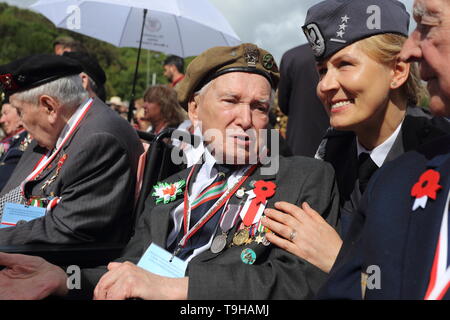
(265, 241)
(219, 243)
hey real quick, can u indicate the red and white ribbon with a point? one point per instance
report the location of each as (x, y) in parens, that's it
(52, 204)
(256, 202)
(440, 273)
(188, 233)
(45, 161)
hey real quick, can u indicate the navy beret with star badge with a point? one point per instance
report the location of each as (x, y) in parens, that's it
(35, 70)
(331, 25)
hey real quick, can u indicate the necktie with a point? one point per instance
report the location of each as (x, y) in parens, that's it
(199, 207)
(366, 168)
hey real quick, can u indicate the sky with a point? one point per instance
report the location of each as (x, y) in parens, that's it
(274, 25)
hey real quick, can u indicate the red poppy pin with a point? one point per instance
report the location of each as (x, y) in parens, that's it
(254, 207)
(426, 187)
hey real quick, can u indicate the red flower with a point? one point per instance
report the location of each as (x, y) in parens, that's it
(170, 190)
(427, 185)
(264, 189)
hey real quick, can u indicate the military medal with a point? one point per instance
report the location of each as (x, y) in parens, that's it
(248, 256)
(190, 231)
(219, 243)
(227, 221)
(259, 238)
(240, 237)
(265, 242)
(58, 169)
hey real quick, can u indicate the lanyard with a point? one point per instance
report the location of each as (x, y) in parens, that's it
(188, 233)
(49, 157)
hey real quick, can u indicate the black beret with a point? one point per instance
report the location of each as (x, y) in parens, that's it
(36, 70)
(331, 25)
(217, 61)
(90, 66)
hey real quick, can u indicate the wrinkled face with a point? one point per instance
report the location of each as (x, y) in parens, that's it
(152, 111)
(10, 120)
(38, 121)
(231, 111)
(168, 72)
(429, 44)
(353, 87)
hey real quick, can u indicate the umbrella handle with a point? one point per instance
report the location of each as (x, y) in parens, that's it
(133, 90)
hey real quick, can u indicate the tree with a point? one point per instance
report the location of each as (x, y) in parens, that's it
(23, 32)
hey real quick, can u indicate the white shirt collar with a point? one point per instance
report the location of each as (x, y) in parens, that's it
(379, 153)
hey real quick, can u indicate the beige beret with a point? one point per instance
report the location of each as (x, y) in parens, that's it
(217, 61)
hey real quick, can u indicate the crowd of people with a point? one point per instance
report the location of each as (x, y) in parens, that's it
(364, 216)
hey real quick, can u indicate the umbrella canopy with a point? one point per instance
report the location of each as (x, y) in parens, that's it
(180, 27)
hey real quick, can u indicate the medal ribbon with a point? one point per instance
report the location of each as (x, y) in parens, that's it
(188, 233)
(263, 190)
(440, 273)
(48, 158)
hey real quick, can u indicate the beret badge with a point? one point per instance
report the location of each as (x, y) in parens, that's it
(315, 39)
(8, 82)
(268, 62)
(251, 56)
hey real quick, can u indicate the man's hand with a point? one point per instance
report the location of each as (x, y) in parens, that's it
(30, 278)
(303, 232)
(126, 280)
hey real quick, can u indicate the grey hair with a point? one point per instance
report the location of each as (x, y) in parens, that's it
(208, 84)
(69, 91)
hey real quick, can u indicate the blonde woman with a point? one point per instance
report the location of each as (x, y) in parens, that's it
(370, 96)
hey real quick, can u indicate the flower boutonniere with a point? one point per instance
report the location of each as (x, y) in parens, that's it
(426, 187)
(168, 192)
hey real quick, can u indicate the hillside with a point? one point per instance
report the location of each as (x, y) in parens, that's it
(23, 32)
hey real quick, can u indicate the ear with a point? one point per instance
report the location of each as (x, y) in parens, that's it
(401, 73)
(84, 80)
(193, 109)
(50, 106)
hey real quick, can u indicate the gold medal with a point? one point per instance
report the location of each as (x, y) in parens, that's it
(240, 237)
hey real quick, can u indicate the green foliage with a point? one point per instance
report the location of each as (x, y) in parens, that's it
(23, 32)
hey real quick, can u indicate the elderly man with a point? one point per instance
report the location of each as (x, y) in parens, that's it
(200, 235)
(75, 183)
(401, 251)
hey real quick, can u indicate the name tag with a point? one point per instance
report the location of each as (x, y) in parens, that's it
(14, 213)
(161, 262)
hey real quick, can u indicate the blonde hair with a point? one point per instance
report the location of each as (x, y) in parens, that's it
(385, 49)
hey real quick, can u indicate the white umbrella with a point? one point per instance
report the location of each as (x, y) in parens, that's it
(180, 27)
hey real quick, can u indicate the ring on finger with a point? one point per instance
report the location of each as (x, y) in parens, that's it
(292, 235)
